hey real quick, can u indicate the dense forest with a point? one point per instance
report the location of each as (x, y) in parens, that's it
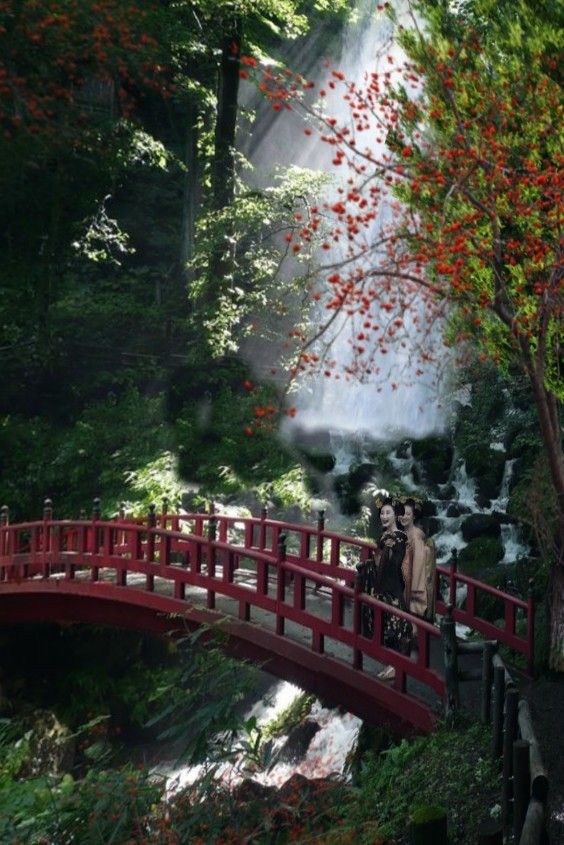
(160, 298)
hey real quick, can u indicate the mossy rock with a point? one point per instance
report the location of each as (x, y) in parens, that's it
(348, 487)
(480, 525)
(480, 556)
(486, 466)
(435, 454)
(321, 461)
(428, 825)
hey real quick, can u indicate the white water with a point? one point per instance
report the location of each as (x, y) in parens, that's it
(393, 400)
(326, 754)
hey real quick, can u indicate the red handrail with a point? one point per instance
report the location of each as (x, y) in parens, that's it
(246, 559)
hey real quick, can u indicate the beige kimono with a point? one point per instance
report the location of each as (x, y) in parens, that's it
(418, 597)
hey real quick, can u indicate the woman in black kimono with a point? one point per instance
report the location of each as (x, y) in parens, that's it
(389, 580)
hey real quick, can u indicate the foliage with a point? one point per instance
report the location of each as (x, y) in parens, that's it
(452, 763)
(200, 707)
(250, 299)
(291, 716)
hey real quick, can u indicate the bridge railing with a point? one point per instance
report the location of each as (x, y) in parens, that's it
(168, 562)
(335, 555)
(511, 611)
(318, 550)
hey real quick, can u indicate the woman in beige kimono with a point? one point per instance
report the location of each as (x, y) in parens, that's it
(421, 601)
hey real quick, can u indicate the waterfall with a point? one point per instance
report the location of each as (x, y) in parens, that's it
(393, 401)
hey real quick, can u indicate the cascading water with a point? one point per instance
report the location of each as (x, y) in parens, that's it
(393, 401)
(326, 754)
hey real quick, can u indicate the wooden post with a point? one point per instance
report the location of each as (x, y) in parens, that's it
(280, 582)
(448, 635)
(539, 777)
(487, 678)
(521, 785)
(47, 510)
(4, 515)
(509, 736)
(96, 509)
(428, 826)
(531, 628)
(452, 581)
(498, 702)
(164, 511)
(490, 833)
(533, 829)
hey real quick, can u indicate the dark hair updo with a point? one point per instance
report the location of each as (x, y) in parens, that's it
(398, 508)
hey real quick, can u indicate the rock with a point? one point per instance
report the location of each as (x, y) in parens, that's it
(298, 742)
(480, 525)
(482, 500)
(320, 461)
(402, 451)
(448, 491)
(486, 466)
(435, 455)
(431, 525)
(251, 790)
(480, 556)
(457, 509)
(51, 746)
(428, 508)
(504, 518)
(349, 486)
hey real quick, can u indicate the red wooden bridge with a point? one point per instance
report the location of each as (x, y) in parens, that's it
(286, 594)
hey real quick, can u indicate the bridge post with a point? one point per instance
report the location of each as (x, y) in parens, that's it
(150, 547)
(164, 511)
(121, 512)
(531, 600)
(450, 650)
(212, 536)
(46, 545)
(96, 514)
(280, 582)
(262, 529)
(357, 615)
(320, 530)
(4, 537)
(452, 580)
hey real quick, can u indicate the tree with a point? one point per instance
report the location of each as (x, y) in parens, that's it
(452, 202)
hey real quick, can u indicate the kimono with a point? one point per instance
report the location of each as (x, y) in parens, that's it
(388, 578)
(418, 599)
(393, 586)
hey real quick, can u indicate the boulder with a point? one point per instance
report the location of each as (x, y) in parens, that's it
(349, 486)
(251, 790)
(428, 508)
(435, 456)
(457, 509)
(298, 742)
(480, 525)
(480, 556)
(486, 467)
(320, 461)
(51, 746)
(431, 525)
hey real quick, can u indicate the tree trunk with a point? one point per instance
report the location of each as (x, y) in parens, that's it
(192, 190)
(552, 439)
(547, 408)
(223, 166)
(223, 174)
(556, 599)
